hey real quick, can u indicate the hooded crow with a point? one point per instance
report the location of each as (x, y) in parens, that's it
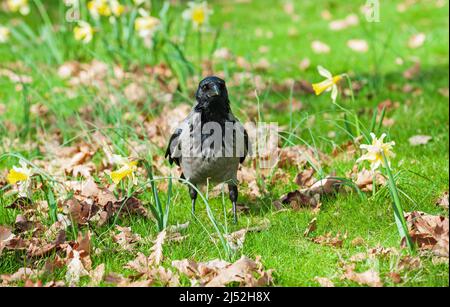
(210, 143)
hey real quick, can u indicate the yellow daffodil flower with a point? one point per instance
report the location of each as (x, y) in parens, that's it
(329, 84)
(4, 34)
(99, 8)
(15, 176)
(197, 13)
(117, 9)
(20, 176)
(127, 169)
(375, 151)
(83, 32)
(20, 6)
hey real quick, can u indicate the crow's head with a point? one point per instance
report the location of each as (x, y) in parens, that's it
(212, 96)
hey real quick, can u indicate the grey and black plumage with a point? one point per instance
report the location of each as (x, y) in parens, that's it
(192, 148)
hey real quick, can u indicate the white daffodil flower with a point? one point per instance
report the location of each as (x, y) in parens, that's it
(83, 32)
(376, 150)
(198, 13)
(4, 34)
(22, 177)
(20, 6)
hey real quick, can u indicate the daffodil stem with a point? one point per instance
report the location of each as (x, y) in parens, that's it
(118, 32)
(398, 210)
(43, 12)
(350, 87)
(374, 184)
(51, 200)
(352, 95)
(209, 212)
(199, 52)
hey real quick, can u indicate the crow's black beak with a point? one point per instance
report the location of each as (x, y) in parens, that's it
(214, 91)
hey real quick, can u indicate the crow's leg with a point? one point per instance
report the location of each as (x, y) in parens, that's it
(193, 194)
(233, 190)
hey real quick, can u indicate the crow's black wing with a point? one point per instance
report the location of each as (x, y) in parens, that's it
(173, 143)
(246, 147)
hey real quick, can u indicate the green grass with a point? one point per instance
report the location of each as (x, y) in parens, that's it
(295, 259)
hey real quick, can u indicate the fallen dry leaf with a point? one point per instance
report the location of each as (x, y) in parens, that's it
(365, 179)
(395, 277)
(312, 226)
(409, 263)
(305, 178)
(125, 238)
(370, 277)
(166, 277)
(249, 175)
(121, 281)
(262, 65)
(174, 232)
(135, 93)
(75, 270)
(15, 78)
(310, 197)
(358, 257)
(324, 282)
(37, 248)
(329, 240)
(297, 200)
(240, 271)
(388, 104)
(417, 40)
(348, 150)
(158, 129)
(341, 24)
(97, 275)
(5, 236)
(156, 256)
(443, 201)
(219, 273)
(140, 264)
(223, 54)
(145, 265)
(429, 232)
(178, 227)
(419, 140)
(328, 185)
(150, 271)
(2, 108)
(236, 239)
(444, 92)
(304, 64)
(80, 212)
(358, 241)
(358, 45)
(31, 284)
(326, 15)
(21, 274)
(412, 72)
(320, 47)
(383, 252)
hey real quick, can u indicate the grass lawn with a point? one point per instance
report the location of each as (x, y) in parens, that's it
(267, 40)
